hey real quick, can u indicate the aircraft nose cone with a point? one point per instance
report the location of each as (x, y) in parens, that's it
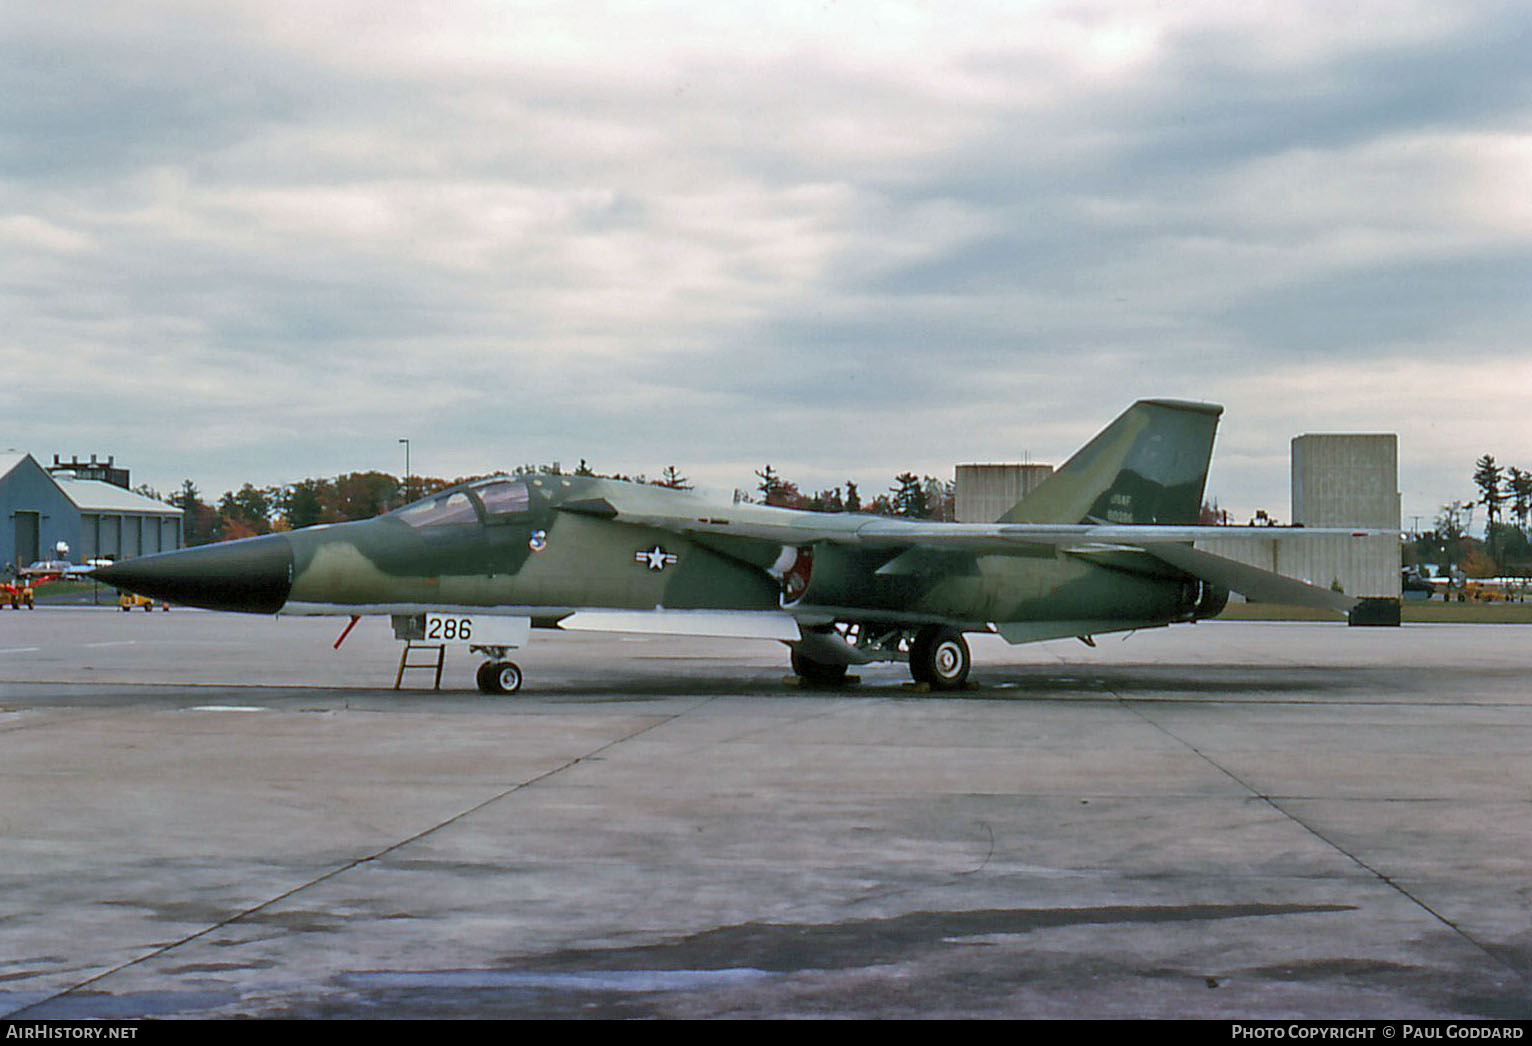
(253, 575)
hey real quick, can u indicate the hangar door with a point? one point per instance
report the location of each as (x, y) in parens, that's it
(28, 527)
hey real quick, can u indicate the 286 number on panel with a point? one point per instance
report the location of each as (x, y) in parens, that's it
(445, 628)
(482, 629)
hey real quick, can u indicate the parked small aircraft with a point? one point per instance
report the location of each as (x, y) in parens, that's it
(1105, 544)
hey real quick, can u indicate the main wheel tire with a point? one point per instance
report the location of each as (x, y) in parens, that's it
(508, 677)
(939, 657)
(920, 655)
(818, 672)
(499, 677)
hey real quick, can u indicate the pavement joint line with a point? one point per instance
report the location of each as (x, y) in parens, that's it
(872, 693)
(358, 862)
(1376, 873)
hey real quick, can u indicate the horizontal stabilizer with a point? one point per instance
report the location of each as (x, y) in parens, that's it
(1264, 586)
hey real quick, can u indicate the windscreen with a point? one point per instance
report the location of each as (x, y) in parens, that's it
(442, 510)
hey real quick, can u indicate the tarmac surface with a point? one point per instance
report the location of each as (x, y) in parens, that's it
(205, 815)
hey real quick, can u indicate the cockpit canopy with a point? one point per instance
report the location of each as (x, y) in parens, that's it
(495, 500)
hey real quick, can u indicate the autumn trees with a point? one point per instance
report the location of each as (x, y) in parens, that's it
(1501, 489)
(911, 496)
(253, 510)
(1505, 495)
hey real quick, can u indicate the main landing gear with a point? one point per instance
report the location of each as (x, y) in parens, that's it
(939, 658)
(818, 673)
(497, 675)
(938, 655)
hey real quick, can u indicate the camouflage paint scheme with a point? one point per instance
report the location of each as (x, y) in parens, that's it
(1102, 545)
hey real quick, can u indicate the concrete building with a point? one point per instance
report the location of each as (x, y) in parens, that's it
(1350, 480)
(987, 492)
(1346, 480)
(96, 519)
(1338, 480)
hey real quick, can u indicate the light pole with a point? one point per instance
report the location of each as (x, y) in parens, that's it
(406, 470)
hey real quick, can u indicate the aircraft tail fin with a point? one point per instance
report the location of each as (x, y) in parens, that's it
(1148, 466)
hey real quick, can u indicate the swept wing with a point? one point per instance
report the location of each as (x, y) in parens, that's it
(1134, 548)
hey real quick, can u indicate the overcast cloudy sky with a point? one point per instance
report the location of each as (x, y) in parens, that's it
(262, 240)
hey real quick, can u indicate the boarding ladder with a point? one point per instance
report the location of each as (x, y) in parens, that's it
(440, 649)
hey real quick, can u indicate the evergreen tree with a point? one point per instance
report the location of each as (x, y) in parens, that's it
(770, 484)
(827, 501)
(1487, 477)
(777, 491)
(910, 497)
(673, 479)
(1520, 484)
(199, 523)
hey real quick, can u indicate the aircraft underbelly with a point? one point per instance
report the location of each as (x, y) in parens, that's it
(1064, 589)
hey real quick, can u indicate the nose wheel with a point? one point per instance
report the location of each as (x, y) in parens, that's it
(499, 677)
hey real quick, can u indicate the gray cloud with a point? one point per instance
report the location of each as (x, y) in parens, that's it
(848, 240)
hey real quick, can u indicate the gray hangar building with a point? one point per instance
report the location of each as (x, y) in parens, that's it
(95, 518)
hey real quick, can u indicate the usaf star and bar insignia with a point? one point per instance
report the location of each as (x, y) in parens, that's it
(655, 558)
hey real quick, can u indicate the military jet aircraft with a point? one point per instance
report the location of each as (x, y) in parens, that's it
(1105, 544)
